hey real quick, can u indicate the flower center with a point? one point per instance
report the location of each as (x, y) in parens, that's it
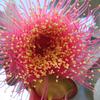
(42, 44)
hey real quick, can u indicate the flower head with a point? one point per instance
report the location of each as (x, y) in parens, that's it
(41, 41)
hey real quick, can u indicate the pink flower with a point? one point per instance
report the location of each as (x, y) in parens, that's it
(39, 42)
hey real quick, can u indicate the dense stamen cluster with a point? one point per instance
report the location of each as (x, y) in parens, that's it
(47, 41)
(50, 47)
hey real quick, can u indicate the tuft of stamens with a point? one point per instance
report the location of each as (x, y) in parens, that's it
(38, 41)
